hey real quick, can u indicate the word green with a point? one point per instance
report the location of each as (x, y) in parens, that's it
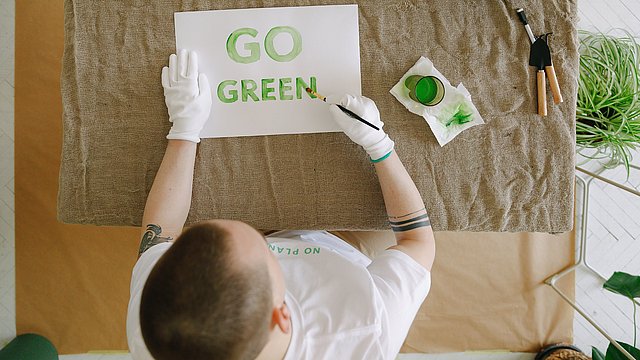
(294, 252)
(228, 91)
(254, 48)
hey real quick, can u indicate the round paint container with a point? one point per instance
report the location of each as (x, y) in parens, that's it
(427, 90)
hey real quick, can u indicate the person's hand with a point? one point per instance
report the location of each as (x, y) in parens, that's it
(187, 95)
(375, 142)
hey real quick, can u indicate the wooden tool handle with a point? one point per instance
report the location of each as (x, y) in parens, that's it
(542, 93)
(553, 83)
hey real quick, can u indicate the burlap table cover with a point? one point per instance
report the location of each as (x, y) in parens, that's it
(515, 173)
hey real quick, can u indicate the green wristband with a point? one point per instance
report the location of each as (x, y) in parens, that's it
(382, 158)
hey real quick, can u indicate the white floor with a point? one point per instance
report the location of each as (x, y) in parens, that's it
(7, 216)
(613, 228)
(613, 232)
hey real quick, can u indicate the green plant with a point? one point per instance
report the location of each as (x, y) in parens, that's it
(629, 287)
(608, 108)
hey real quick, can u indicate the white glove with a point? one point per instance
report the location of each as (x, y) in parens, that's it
(375, 142)
(187, 95)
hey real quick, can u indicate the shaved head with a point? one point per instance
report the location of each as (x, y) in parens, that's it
(210, 295)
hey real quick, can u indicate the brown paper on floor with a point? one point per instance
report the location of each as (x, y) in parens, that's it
(72, 281)
(515, 173)
(487, 291)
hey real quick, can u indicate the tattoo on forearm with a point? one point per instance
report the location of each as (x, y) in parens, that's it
(410, 221)
(152, 237)
(405, 215)
(411, 226)
(403, 222)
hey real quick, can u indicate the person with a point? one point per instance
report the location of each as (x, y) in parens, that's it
(222, 290)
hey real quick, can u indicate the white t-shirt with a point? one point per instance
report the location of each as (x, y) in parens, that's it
(343, 305)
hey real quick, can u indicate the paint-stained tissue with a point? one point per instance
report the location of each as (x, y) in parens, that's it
(454, 114)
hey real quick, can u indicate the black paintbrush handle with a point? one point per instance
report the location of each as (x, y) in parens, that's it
(522, 16)
(356, 116)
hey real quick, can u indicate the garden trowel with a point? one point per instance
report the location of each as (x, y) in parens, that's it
(537, 58)
(550, 71)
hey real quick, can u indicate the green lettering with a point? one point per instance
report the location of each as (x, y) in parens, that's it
(266, 90)
(296, 49)
(248, 90)
(252, 47)
(284, 87)
(301, 87)
(233, 93)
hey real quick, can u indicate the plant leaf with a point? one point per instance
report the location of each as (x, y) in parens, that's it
(614, 354)
(596, 354)
(623, 284)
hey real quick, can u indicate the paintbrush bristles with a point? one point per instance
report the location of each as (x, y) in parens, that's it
(310, 91)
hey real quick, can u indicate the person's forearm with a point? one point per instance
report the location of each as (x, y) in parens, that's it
(169, 201)
(407, 214)
(401, 197)
(188, 99)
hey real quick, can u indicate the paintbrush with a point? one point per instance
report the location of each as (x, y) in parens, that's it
(344, 109)
(523, 19)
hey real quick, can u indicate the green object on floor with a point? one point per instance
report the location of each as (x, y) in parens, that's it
(29, 347)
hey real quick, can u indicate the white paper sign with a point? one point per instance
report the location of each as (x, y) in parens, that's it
(259, 61)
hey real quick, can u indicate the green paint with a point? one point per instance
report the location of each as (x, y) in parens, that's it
(233, 93)
(248, 90)
(296, 49)
(266, 90)
(456, 114)
(301, 87)
(460, 117)
(229, 90)
(427, 90)
(252, 47)
(285, 85)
